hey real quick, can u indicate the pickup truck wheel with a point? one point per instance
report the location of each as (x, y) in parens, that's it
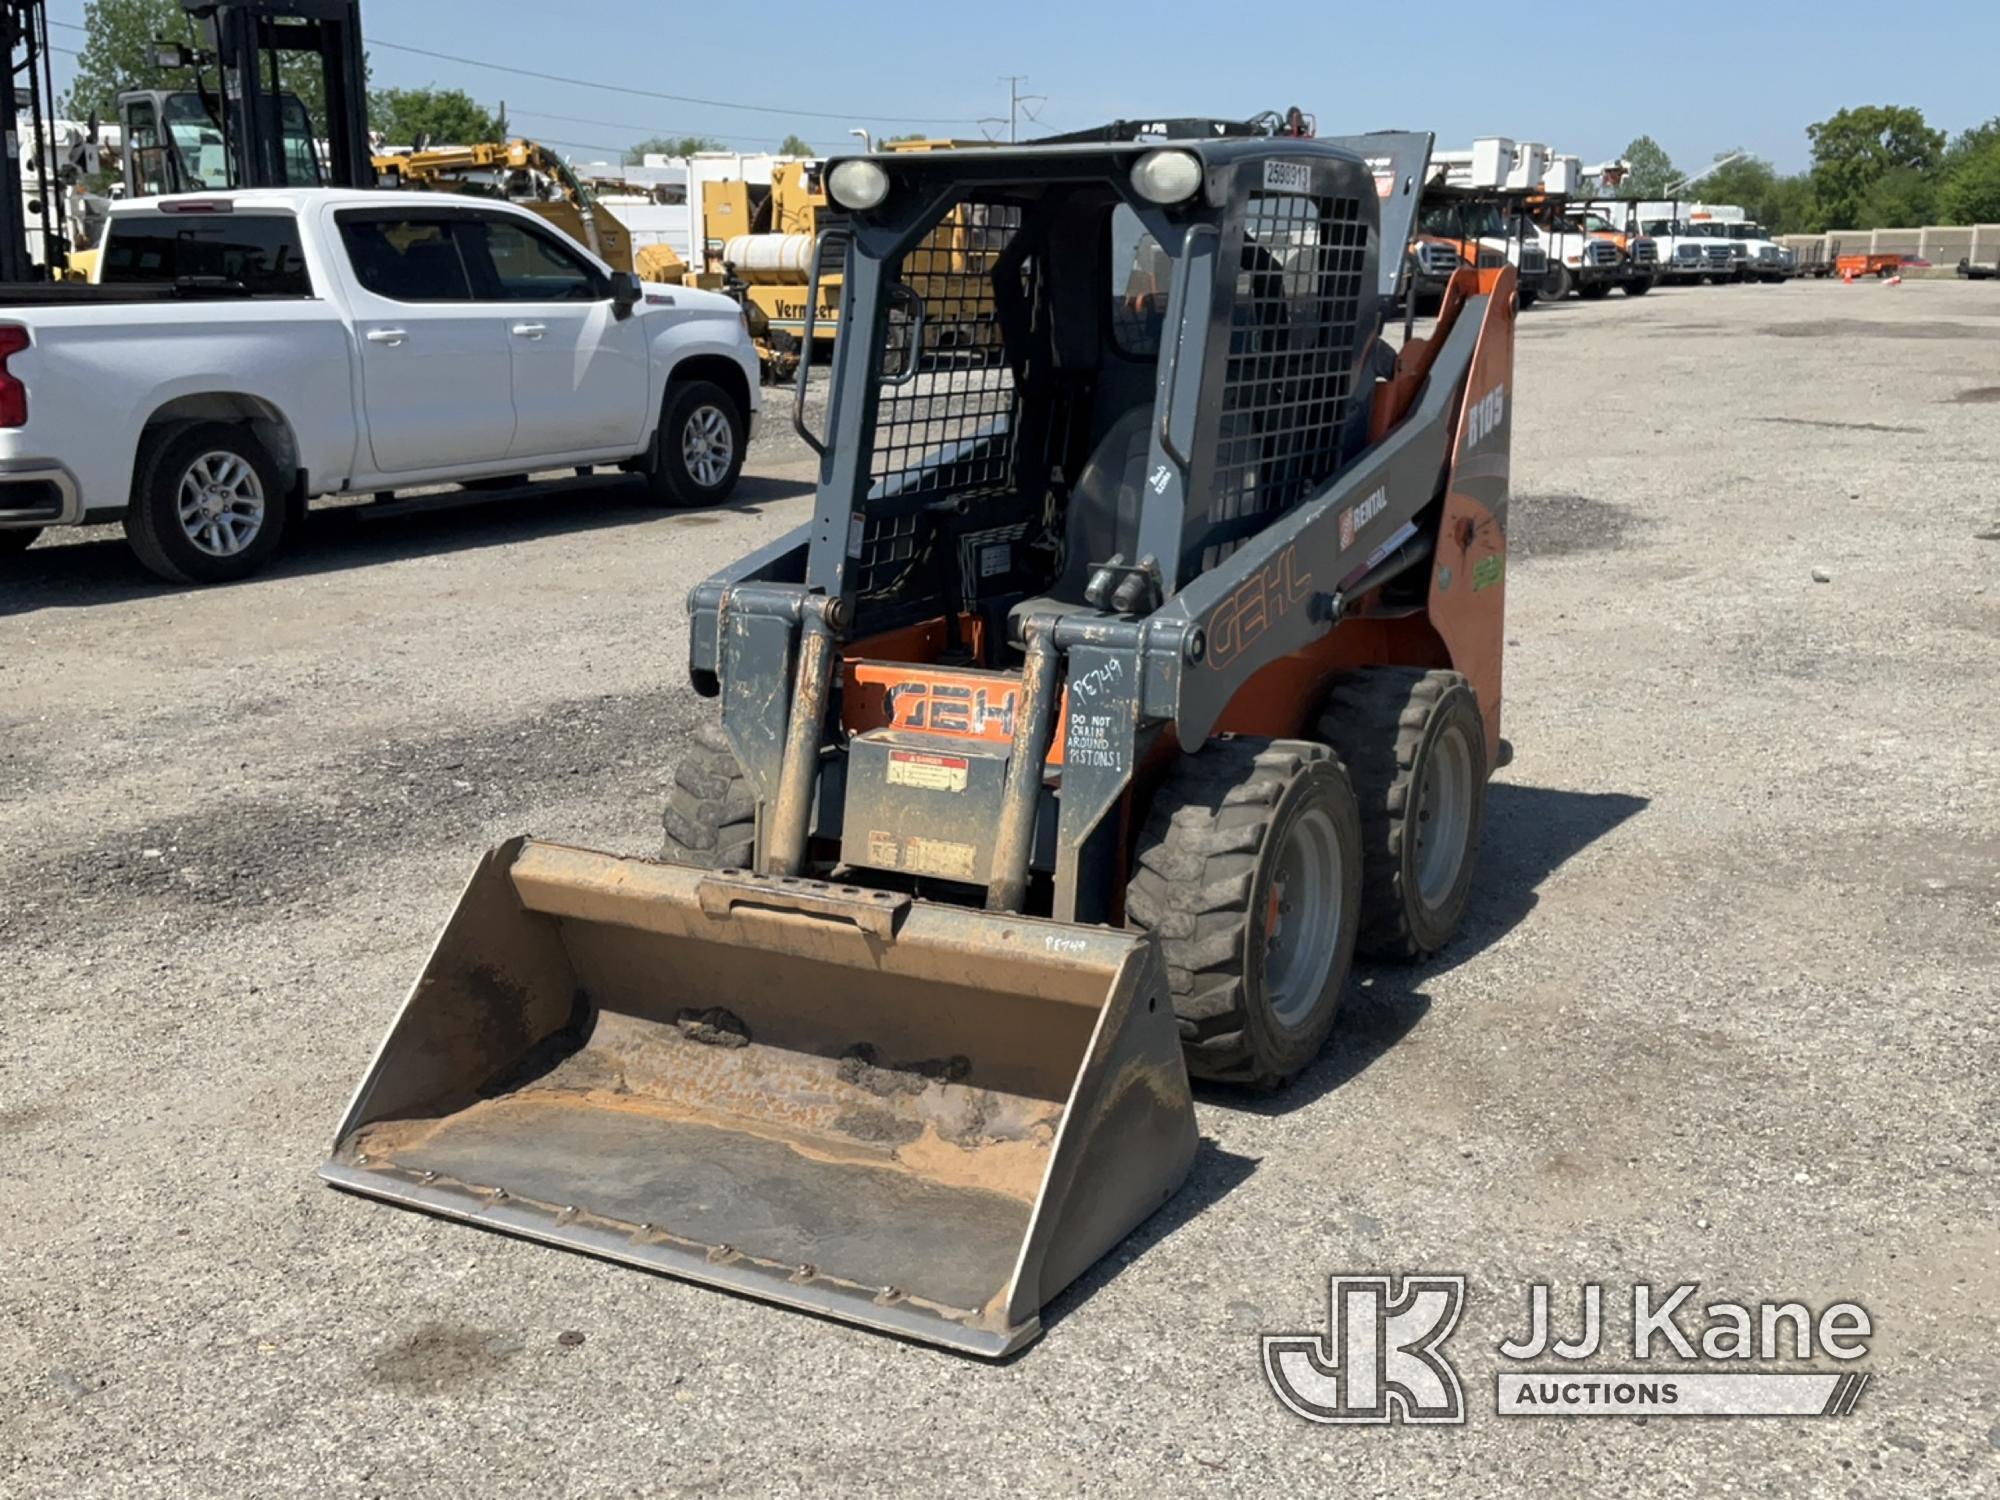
(207, 504)
(12, 542)
(698, 450)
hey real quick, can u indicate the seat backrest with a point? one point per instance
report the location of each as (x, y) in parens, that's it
(1104, 507)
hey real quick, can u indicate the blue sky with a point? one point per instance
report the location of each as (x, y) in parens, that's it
(1586, 80)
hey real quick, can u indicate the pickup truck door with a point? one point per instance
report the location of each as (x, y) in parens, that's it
(580, 378)
(436, 367)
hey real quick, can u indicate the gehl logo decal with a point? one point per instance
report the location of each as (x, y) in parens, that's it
(1379, 1360)
(1483, 415)
(950, 709)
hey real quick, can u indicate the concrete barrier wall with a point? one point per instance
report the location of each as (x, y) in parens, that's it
(1940, 244)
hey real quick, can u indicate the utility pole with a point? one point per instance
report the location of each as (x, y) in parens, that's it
(1019, 104)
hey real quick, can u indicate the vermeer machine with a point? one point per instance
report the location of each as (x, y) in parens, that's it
(1141, 659)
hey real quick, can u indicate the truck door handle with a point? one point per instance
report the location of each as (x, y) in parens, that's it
(386, 335)
(530, 330)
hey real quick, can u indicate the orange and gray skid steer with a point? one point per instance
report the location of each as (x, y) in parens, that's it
(1140, 661)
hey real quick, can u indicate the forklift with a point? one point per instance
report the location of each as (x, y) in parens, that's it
(239, 127)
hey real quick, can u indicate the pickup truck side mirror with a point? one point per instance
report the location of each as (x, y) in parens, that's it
(625, 293)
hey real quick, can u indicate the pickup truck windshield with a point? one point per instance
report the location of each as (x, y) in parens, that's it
(257, 252)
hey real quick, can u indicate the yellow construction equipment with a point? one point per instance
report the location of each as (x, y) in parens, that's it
(523, 173)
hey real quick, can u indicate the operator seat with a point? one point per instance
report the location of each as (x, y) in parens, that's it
(1103, 514)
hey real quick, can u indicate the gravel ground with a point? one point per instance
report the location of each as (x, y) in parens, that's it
(1723, 1011)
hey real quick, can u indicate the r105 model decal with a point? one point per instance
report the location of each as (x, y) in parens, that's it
(1483, 415)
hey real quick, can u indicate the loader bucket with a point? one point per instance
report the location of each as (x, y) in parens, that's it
(910, 1115)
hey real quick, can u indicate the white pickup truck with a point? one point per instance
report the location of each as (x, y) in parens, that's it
(246, 351)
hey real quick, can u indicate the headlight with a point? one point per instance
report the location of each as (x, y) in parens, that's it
(857, 184)
(1167, 176)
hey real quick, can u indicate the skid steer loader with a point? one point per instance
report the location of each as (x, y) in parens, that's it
(1141, 659)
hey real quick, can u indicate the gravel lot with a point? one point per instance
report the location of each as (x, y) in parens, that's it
(1724, 1011)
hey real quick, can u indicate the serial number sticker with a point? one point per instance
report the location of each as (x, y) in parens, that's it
(1287, 177)
(884, 852)
(939, 857)
(995, 559)
(935, 773)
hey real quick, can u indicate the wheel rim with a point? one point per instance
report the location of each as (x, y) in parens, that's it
(708, 444)
(221, 503)
(1302, 917)
(1444, 815)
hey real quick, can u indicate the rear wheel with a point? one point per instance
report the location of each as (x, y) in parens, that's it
(1415, 746)
(12, 541)
(1249, 872)
(699, 447)
(710, 819)
(207, 504)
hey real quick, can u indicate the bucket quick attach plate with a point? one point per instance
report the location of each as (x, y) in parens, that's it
(913, 1116)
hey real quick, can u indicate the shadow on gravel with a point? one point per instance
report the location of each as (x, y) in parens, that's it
(338, 537)
(1531, 831)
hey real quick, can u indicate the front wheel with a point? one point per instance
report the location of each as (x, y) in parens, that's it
(1558, 282)
(207, 504)
(1524, 297)
(699, 448)
(1640, 287)
(1248, 871)
(1595, 292)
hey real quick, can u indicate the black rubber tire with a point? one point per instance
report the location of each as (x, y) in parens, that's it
(14, 542)
(666, 471)
(710, 821)
(1639, 288)
(1525, 297)
(152, 521)
(1383, 722)
(1558, 283)
(1201, 883)
(1597, 291)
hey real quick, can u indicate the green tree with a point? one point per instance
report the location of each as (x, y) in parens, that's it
(118, 36)
(1970, 143)
(793, 146)
(1970, 192)
(1857, 146)
(1652, 170)
(671, 145)
(445, 117)
(1901, 198)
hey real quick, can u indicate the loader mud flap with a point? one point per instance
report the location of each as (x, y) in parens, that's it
(910, 1115)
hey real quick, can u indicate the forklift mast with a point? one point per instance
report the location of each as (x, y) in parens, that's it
(254, 110)
(246, 32)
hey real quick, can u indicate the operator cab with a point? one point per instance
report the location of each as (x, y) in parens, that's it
(1014, 454)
